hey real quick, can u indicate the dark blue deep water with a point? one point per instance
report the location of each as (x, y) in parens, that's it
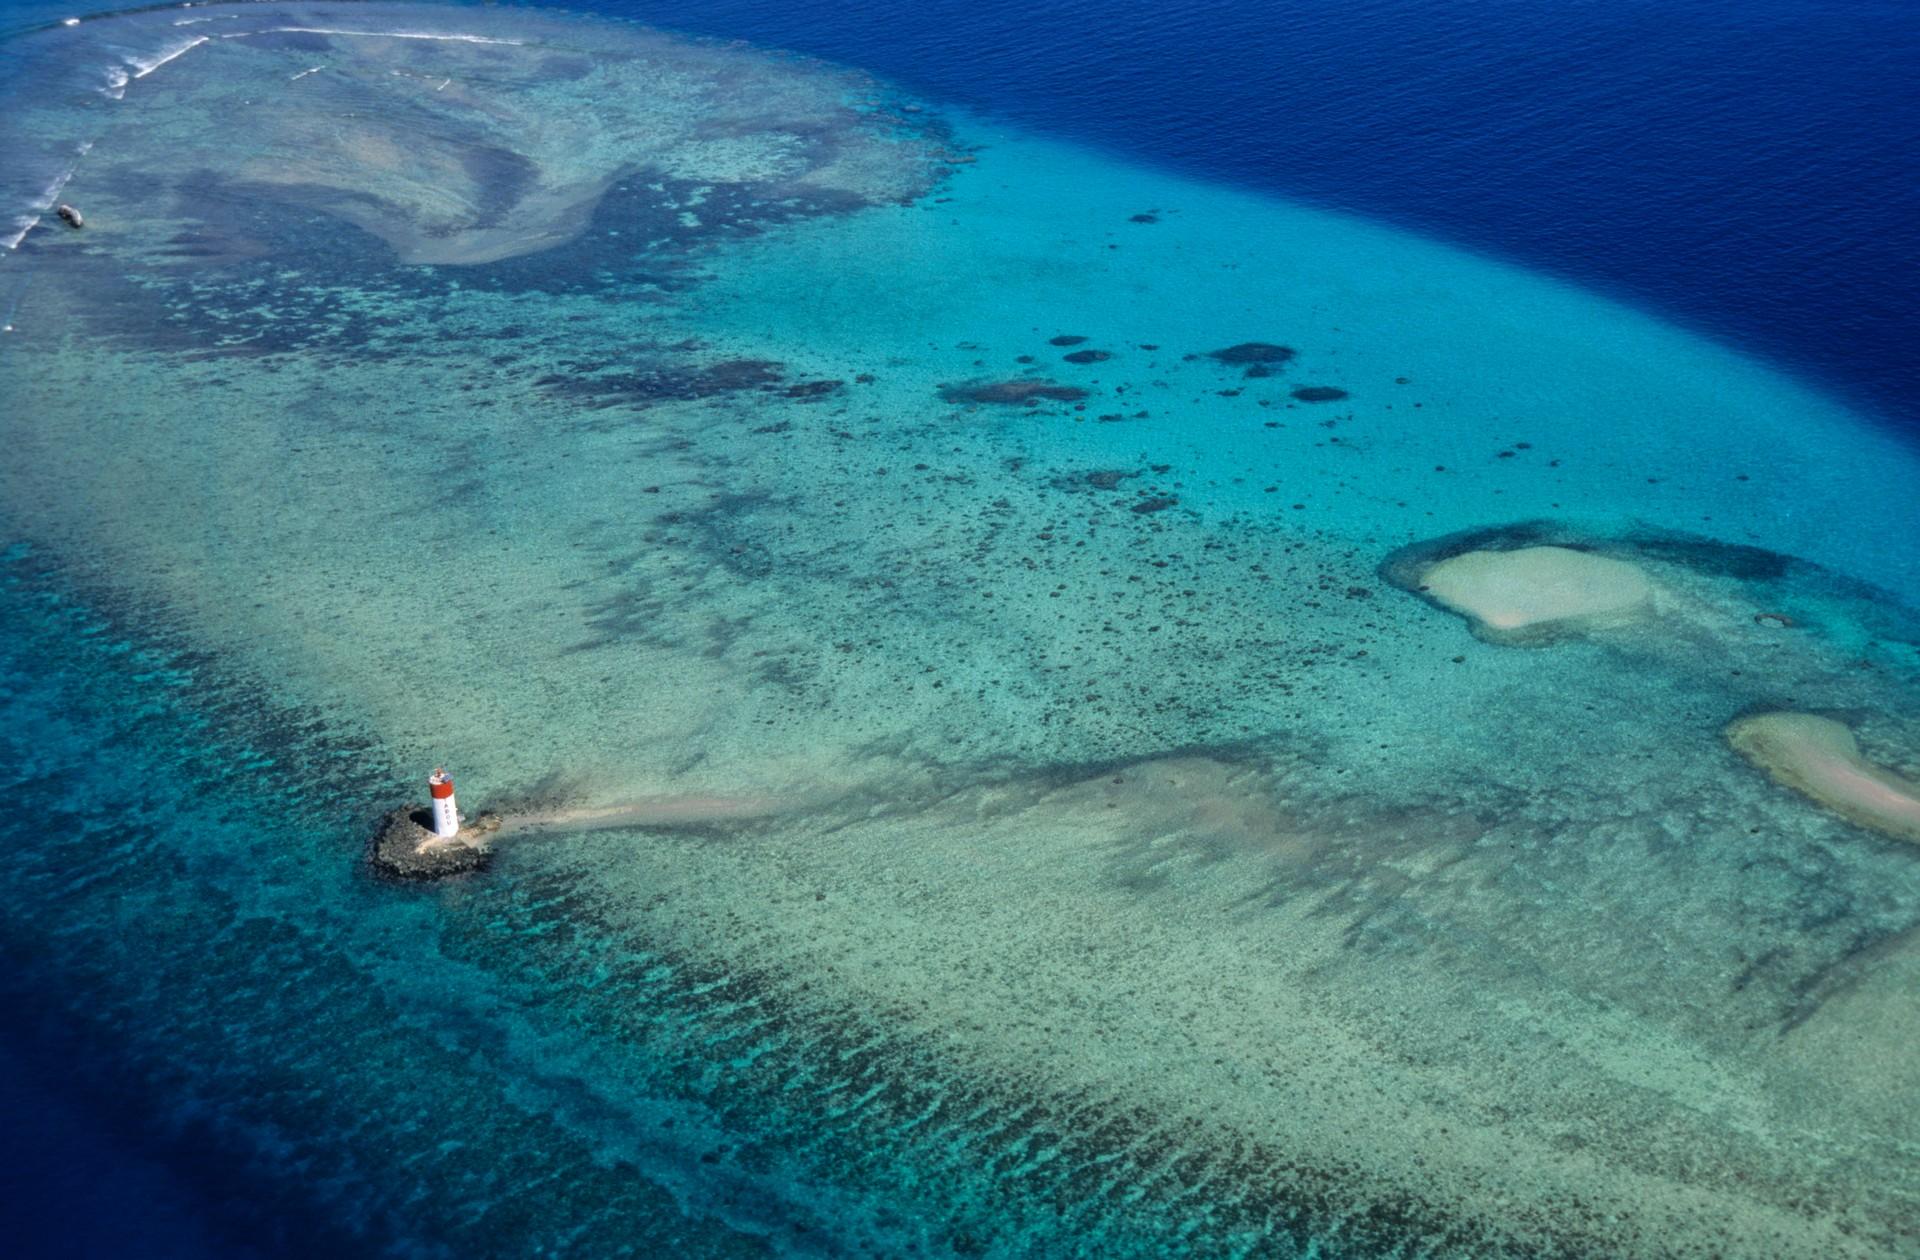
(1751, 170)
(1746, 169)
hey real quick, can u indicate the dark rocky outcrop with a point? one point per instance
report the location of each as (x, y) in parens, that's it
(404, 846)
(1319, 393)
(1087, 356)
(1066, 339)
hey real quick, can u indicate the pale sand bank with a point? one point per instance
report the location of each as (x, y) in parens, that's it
(1538, 589)
(1820, 758)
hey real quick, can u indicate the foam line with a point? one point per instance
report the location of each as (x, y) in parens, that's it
(328, 30)
(25, 223)
(143, 69)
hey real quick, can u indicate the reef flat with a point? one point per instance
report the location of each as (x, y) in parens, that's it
(1040, 801)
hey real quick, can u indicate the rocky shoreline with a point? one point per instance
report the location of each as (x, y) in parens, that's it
(404, 846)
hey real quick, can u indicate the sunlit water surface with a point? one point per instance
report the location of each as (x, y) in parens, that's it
(1083, 836)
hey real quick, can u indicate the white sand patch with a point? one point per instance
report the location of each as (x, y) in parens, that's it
(1819, 757)
(1533, 588)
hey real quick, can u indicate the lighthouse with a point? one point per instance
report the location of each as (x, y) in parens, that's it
(446, 818)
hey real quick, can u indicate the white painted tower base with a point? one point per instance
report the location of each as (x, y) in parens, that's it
(446, 818)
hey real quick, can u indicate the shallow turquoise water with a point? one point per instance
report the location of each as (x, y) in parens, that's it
(1128, 866)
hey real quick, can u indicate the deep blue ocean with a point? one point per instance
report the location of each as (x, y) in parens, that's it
(1748, 170)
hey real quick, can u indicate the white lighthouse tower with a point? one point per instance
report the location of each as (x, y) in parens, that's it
(446, 818)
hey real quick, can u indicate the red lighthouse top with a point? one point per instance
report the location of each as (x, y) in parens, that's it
(440, 783)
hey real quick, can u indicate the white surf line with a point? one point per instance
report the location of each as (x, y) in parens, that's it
(304, 73)
(118, 78)
(51, 193)
(328, 30)
(142, 71)
(23, 223)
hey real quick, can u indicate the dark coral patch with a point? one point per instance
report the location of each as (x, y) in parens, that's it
(665, 381)
(1107, 478)
(1065, 339)
(1011, 392)
(1144, 218)
(1710, 555)
(733, 374)
(1254, 352)
(808, 391)
(1087, 356)
(1158, 503)
(1319, 393)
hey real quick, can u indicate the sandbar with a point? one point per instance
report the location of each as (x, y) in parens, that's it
(1820, 758)
(1523, 593)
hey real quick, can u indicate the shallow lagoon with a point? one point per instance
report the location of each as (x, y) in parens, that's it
(1148, 866)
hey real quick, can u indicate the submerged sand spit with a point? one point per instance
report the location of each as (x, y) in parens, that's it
(654, 811)
(1536, 591)
(1820, 758)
